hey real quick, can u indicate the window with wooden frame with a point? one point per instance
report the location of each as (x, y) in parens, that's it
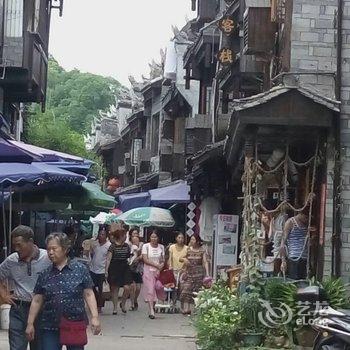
(13, 26)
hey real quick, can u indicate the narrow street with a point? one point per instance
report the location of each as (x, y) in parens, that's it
(129, 332)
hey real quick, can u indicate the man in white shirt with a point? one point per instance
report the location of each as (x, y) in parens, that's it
(99, 250)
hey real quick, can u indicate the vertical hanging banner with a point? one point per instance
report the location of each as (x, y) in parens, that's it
(190, 224)
(136, 147)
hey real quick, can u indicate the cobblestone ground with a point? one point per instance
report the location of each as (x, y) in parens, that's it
(135, 331)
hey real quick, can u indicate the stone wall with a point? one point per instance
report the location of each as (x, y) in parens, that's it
(313, 43)
(314, 49)
(345, 141)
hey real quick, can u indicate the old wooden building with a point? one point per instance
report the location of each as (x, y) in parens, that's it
(24, 57)
(269, 76)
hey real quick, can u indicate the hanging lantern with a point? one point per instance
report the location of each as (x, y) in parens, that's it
(114, 182)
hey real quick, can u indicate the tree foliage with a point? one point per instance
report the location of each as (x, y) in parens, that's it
(73, 100)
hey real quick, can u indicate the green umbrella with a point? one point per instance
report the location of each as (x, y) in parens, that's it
(148, 216)
(84, 197)
(93, 198)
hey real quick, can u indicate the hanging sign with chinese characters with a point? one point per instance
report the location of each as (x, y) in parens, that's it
(226, 56)
(227, 25)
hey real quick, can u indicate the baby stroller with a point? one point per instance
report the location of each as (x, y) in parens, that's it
(167, 290)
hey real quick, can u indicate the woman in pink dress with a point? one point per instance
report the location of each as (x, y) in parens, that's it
(153, 258)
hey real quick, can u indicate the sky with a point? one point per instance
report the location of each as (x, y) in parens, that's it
(115, 38)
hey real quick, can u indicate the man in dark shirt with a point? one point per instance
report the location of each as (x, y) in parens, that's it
(63, 290)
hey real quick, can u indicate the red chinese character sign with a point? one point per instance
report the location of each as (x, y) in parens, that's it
(226, 56)
(227, 25)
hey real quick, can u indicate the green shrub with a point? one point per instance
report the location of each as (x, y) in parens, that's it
(250, 306)
(335, 292)
(217, 318)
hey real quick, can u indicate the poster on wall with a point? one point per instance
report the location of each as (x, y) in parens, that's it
(225, 242)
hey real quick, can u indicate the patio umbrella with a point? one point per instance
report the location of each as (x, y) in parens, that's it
(22, 173)
(148, 216)
(103, 218)
(93, 198)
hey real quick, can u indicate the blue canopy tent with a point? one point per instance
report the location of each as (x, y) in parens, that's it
(22, 173)
(10, 153)
(62, 160)
(19, 174)
(164, 196)
(173, 194)
(134, 200)
(75, 167)
(47, 155)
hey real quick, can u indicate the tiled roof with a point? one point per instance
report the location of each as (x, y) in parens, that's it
(208, 149)
(256, 100)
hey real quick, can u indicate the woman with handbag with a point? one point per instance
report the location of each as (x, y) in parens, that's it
(61, 292)
(153, 258)
(118, 273)
(136, 267)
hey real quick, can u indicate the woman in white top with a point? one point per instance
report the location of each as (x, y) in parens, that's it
(153, 258)
(136, 266)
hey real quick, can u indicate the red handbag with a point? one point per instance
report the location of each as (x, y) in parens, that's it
(73, 333)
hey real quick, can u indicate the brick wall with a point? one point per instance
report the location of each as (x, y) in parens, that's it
(314, 49)
(313, 43)
(345, 140)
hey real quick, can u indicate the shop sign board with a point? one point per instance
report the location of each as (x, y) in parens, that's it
(136, 147)
(225, 246)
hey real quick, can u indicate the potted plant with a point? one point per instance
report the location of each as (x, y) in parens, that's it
(251, 329)
(277, 338)
(216, 318)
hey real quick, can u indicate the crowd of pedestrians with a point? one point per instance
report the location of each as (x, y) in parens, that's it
(51, 290)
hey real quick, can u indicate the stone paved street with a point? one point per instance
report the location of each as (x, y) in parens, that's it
(135, 331)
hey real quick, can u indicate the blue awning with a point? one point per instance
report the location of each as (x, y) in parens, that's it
(75, 167)
(173, 194)
(134, 200)
(10, 153)
(47, 155)
(21, 173)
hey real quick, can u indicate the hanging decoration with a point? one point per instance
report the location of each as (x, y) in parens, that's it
(227, 25)
(226, 56)
(252, 246)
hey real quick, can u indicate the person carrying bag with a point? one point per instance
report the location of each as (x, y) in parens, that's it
(61, 292)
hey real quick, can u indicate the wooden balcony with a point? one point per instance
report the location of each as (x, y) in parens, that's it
(200, 121)
(24, 57)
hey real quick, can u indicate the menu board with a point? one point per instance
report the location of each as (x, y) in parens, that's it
(225, 241)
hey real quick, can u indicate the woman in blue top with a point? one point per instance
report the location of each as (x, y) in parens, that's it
(60, 292)
(294, 245)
